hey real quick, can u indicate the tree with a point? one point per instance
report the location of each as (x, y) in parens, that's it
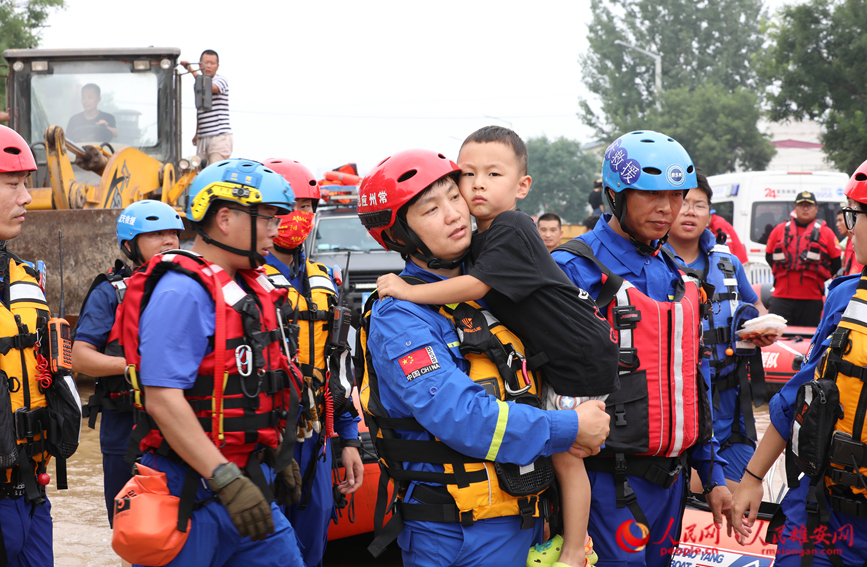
(717, 127)
(706, 48)
(816, 67)
(21, 26)
(562, 175)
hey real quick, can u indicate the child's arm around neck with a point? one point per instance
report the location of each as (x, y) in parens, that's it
(453, 290)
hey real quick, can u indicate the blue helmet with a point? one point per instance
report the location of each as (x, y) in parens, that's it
(146, 216)
(243, 181)
(647, 161)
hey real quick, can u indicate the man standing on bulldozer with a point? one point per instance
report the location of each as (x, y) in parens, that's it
(213, 139)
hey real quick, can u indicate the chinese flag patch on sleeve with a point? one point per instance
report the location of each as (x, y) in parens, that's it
(418, 363)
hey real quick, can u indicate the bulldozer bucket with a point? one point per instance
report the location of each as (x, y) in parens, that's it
(89, 247)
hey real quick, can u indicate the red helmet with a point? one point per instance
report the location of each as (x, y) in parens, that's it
(392, 184)
(856, 189)
(303, 183)
(15, 154)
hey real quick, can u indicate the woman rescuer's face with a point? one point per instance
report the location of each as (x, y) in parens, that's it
(441, 219)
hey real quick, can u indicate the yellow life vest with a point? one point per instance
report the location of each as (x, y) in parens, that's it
(845, 363)
(21, 325)
(319, 359)
(497, 363)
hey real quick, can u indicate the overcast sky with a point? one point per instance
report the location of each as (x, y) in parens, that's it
(327, 83)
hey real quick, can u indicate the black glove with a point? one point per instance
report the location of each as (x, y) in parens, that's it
(247, 507)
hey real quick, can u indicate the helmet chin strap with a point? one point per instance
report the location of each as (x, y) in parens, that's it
(418, 249)
(295, 268)
(132, 252)
(256, 259)
(619, 209)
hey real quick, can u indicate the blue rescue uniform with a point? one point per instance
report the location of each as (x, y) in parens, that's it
(655, 277)
(94, 325)
(458, 412)
(311, 523)
(850, 531)
(726, 402)
(213, 539)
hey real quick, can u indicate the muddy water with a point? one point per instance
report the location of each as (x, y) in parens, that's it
(81, 532)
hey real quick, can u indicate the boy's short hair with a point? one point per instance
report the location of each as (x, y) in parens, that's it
(704, 186)
(550, 217)
(94, 87)
(505, 136)
(210, 52)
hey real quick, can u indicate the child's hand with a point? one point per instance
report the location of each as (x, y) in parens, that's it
(391, 285)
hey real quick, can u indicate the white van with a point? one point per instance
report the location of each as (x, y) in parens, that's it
(754, 202)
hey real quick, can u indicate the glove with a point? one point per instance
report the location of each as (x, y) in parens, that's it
(287, 485)
(248, 508)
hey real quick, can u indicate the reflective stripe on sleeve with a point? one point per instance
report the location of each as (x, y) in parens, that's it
(499, 431)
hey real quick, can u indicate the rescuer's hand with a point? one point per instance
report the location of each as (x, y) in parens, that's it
(746, 500)
(354, 468)
(720, 501)
(592, 426)
(287, 485)
(248, 509)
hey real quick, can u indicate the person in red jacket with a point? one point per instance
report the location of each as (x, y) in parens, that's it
(803, 253)
(721, 227)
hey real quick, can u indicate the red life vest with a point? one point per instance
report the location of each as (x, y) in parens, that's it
(804, 253)
(260, 389)
(657, 409)
(662, 407)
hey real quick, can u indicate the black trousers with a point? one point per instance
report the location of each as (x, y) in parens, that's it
(798, 312)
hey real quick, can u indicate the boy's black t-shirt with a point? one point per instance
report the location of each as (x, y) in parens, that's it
(535, 299)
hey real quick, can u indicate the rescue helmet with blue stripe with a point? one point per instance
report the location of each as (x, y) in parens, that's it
(234, 182)
(644, 160)
(143, 217)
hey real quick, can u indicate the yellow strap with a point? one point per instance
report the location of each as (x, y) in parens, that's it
(499, 431)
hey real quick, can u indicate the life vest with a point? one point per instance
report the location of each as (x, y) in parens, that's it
(259, 389)
(845, 363)
(30, 427)
(662, 407)
(321, 358)
(732, 362)
(802, 253)
(110, 392)
(828, 440)
(475, 489)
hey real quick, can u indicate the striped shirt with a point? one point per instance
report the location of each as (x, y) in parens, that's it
(216, 121)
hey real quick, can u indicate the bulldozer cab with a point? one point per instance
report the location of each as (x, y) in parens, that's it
(105, 129)
(134, 94)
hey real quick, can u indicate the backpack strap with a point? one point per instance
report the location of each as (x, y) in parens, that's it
(612, 281)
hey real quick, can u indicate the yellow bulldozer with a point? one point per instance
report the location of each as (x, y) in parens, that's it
(105, 128)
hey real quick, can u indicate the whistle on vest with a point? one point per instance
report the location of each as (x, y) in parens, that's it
(59, 346)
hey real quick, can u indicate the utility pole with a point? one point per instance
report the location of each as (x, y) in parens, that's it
(657, 59)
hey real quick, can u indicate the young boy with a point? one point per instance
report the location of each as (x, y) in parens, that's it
(529, 293)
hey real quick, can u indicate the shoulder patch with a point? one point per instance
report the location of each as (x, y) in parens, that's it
(419, 363)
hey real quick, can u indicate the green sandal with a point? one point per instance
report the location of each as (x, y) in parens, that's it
(545, 554)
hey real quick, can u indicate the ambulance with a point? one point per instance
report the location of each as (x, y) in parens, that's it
(754, 202)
